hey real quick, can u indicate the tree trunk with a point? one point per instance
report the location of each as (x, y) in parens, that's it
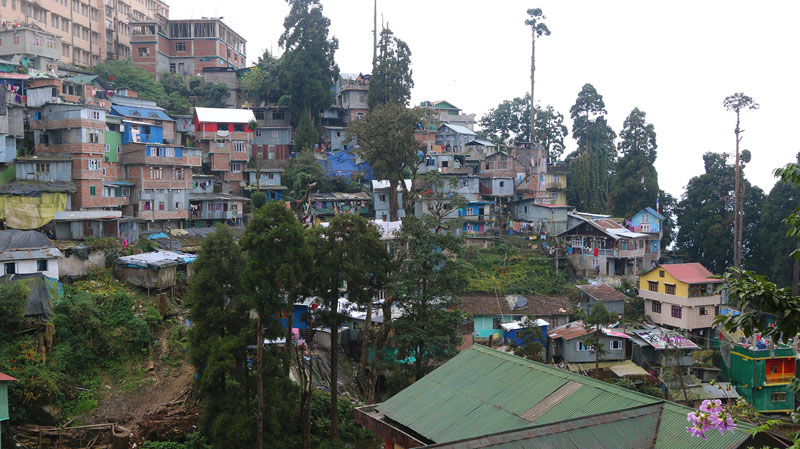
(260, 374)
(796, 275)
(737, 247)
(334, 304)
(743, 192)
(380, 346)
(393, 183)
(287, 355)
(533, 71)
(365, 334)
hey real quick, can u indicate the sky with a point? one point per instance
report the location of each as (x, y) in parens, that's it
(676, 61)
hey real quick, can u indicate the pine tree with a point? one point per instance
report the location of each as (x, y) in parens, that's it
(635, 182)
(391, 78)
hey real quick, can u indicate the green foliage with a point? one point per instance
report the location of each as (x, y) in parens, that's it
(775, 233)
(304, 170)
(532, 348)
(308, 69)
(424, 285)
(212, 95)
(176, 92)
(259, 199)
(387, 144)
(349, 432)
(126, 76)
(193, 441)
(391, 81)
(505, 270)
(536, 22)
(635, 183)
(509, 122)
(705, 217)
(441, 199)
(306, 135)
(12, 306)
(590, 165)
(262, 79)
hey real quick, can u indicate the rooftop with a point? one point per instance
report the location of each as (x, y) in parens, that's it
(222, 115)
(691, 273)
(602, 292)
(538, 305)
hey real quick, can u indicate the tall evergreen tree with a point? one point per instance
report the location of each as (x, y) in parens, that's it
(386, 142)
(308, 69)
(391, 78)
(589, 166)
(424, 285)
(635, 182)
(347, 252)
(706, 214)
(538, 29)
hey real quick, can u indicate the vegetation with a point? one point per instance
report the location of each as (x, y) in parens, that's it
(538, 29)
(504, 270)
(509, 123)
(391, 81)
(635, 183)
(597, 318)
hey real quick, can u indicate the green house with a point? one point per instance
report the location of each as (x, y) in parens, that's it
(4, 380)
(761, 375)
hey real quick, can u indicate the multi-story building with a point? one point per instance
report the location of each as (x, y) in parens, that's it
(12, 126)
(38, 50)
(351, 96)
(448, 113)
(90, 31)
(186, 47)
(682, 296)
(603, 247)
(225, 137)
(555, 185)
(760, 369)
(649, 221)
(208, 208)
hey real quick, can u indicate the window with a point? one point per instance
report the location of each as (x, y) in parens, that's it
(41, 265)
(94, 115)
(180, 46)
(108, 148)
(222, 126)
(778, 396)
(525, 209)
(238, 146)
(42, 168)
(773, 368)
(156, 173)
(656, 307)
(147, 205)
(277, 115)
(92, 190)
(703, 311)
(94, 137)
(502, 183)
(160, 205)
(172, 67)
(94, 164)
(615, 345)
(178, 205)
(11, 268)
(143, 51)
(669, 289)
(652, 286)
(581, 346)
(177, 173)
(661, 273)
(239, 127)
(383, 197)
(236, 167)
(676, 311)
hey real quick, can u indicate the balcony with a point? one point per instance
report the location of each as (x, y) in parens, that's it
(680, 300)
(784, 378)
(631, 252)
(556, 186)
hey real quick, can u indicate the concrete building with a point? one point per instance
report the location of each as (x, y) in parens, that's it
(25, 252)
(90, 31)
(186, 47)
(225, 138)
(38, 50)
(449, 113)
(541, 218)
(351, 96)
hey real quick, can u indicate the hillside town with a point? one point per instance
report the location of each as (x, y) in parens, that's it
(203, 251)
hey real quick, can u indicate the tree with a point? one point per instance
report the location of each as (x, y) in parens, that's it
(308, 69)
(212, 95)
(593, 323)
(424, 286)
(706, 214)
(176, 92)
(348, 251)
(125, 76)
(391, 78)
(532, 348)
(635, 183)
(306, 136)
(262, 80)
(441, 199)
(509, 122)
(538, 29)
(302, 171)
(278, 261)
(386, 142)
(12, 308)
(217, 341)
(773, 232)
(259, 199)
(668, 204)
(737, 103)
(589, 167)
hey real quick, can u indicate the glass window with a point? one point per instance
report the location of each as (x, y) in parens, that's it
(41, 265)
(676, 311)
(656, 307)
(11, 268)
(652, 286)
(669, 289)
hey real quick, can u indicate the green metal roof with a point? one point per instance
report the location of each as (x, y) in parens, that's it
(626, 429)
(81, 79)
(482, 391)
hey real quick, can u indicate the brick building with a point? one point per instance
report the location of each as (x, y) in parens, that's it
(186, 47)
(89, 31)
(225, 138)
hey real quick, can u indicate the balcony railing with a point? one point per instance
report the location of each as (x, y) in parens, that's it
(779, 378)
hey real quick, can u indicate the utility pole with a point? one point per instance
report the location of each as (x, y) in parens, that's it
(374, 35)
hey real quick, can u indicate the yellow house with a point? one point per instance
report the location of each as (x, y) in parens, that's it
(682, 296)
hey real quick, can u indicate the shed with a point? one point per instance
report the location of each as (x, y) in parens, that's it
(611, 298)
(155, 269)
(517, 332)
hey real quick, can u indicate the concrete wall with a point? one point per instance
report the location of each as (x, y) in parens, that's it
(28, 266)
(570, 353)
(74, 266)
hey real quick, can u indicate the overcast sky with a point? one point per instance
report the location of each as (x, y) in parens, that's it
(676, 60)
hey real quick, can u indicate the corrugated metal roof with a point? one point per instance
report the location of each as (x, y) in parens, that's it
(602, 292)
(460, 129)
(633, 428)
(482, 391)
(222, 115)
(138, 112)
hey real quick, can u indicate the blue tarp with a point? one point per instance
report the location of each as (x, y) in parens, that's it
(131, 112)
(158, 235)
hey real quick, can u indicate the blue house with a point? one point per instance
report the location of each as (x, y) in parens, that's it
(517, 331)
(648, 221)
(301, 317)
(142, 125)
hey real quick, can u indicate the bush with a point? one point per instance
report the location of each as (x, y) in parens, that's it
(12, 307)
(259, 199)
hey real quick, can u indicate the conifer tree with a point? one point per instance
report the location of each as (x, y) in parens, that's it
(391, 78)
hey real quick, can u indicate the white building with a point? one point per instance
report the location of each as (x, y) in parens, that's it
(26, 252)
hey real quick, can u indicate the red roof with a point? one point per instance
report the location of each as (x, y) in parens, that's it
(6, 377)
(690, 273)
